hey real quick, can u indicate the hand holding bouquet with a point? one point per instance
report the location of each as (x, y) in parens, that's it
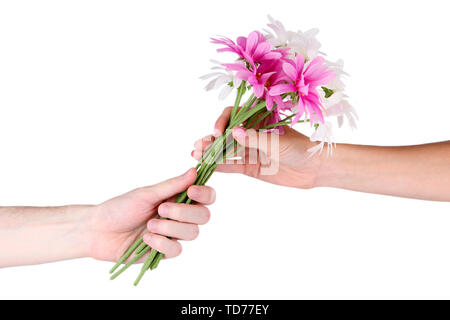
(285, 80)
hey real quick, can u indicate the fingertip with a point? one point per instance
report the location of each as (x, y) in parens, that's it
(170, 248)
(194, 192)
(196, 154)
(198, 144)
(202, 194)
(163, 210)
(147, 238)
(239, 133)
(152, 225)
(177, 249)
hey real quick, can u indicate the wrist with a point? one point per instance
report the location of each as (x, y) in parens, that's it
(80, 217)
(332, 169)
(306, 170)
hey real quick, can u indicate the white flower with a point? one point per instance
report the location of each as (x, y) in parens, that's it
(343, 109)
(338, 68)
(323, 134)
(337, 105)
(222, 77)
(305, 43)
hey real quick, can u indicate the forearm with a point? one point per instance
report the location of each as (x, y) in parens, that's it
(421, 172)
(30, 235)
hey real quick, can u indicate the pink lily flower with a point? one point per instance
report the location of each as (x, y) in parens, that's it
(304, 82)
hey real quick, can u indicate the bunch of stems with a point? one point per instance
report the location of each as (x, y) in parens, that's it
(252, 113)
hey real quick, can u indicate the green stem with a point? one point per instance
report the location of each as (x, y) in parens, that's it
(245, 107)
(241, 90)
(126, 255)
(259, 118)
(141, 247)
(146, 266)
(282, 123)
(132, 261)
(156, 261)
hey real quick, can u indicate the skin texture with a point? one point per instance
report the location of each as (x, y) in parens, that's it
(30, 235)
(420, 172)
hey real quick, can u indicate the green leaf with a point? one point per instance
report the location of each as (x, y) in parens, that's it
(328, 92)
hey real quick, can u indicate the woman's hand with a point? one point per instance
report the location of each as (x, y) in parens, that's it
(118, 222)
(295, 166)
(420, 172)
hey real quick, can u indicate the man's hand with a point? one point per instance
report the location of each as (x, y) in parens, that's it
(34, 235)
(118, 222)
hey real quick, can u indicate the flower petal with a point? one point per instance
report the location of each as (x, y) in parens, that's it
(225, 92)
(290, 71)
(261, 49)
(258, 90)
(272, 55)
(282, 88)
(266, 77)
(299, 62)
(235, 67)
(252, 41)
(210, 75)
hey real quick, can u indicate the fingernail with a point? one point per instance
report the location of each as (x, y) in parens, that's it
(195, 192)
(163, 210)
(217, 132)
(239, 132)
(152, 225)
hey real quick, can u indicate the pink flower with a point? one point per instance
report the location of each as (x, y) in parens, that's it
(304, 82)
(255, 48)
(261, 65)
(261, 78)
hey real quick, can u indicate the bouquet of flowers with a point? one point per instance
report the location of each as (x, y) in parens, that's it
(286, 80)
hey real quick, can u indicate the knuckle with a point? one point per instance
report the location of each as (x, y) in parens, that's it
(175, 212)
(157, 242)
(162, 227)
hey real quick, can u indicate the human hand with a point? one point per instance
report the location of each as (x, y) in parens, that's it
(295, 166)
(117, 223)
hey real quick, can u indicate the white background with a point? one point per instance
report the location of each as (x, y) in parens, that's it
(99, 97)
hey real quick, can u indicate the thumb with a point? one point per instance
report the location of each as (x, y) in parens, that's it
(253, 139)
(173, 186)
